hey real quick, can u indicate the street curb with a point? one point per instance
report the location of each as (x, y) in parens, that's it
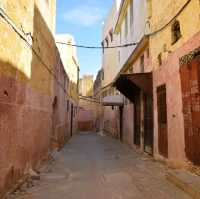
(183, 185)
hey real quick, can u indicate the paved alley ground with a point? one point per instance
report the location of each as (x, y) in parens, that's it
(96, 167)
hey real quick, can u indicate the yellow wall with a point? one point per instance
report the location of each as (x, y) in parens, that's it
(16, 58)
(86, 85)
(162, 13)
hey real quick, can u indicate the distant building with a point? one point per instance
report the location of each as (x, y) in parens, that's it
(86, 86)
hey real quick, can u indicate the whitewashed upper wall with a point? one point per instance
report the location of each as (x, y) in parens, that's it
(109, 57)
(135, 33)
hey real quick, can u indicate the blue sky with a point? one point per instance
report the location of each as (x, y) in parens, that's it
(83, 19)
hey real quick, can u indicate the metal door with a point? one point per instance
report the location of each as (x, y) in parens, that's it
(148, 124)
(162, 121)
(190, 81)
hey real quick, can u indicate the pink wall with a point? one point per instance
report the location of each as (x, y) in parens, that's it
(26, 126)
(169, 74)
(128, 124)
(111, 121)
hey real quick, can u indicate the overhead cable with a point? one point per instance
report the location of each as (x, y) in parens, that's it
(134, 43)
(23, 37)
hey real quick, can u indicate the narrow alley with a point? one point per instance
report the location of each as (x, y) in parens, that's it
(99, 99)
(96, 166)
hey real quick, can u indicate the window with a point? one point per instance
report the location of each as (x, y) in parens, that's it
(102, 74)
(111, 35)
(131, 13)
(176, 32)
(126, 25)
(160, 59)
(107, 42)
(147, 52)
(142, 63)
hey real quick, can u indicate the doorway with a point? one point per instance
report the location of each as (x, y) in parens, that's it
(148, 124)
(190, 82)
(162, 121)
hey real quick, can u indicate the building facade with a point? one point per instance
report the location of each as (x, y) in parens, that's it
(69, 59)
(176, 91)
(109, 70)
(86, 86)
(34, 86)
(98, 97)
(158, 75)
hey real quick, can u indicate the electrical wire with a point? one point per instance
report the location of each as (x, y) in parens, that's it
(20, 34)
(171, 20)
(89, 99)
(23, 37)
(134, 43)
(99, 47)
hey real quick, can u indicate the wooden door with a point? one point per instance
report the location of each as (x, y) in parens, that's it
(162, 121)
(190, 81)
(148, 124)
(137, 119)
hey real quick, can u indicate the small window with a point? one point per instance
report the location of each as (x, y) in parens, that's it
(107, 42)
(111, 35)
(142, 63)
(176, 32)
(148, 53)
(102, 75)
(160, 59)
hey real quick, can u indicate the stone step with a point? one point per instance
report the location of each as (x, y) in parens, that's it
(188, 182)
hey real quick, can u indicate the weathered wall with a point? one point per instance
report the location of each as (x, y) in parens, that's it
(27, 93)
(109, 59)
(136, 30)
(87, 115)
(128, 124)
(70, 61)
(168, 72)
(169, 75)
(111, 121)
